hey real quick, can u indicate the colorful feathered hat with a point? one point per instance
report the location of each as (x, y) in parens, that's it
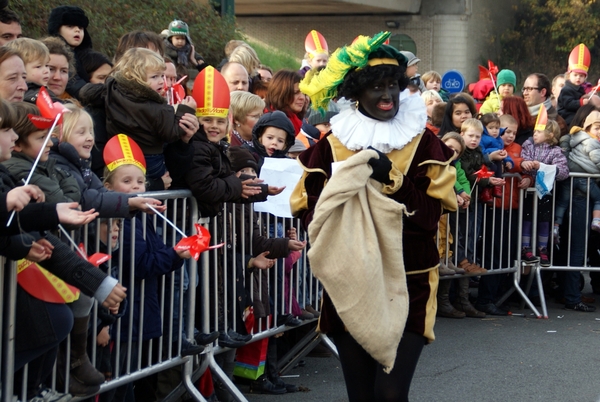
(315, 44)
(580, 59)
(364, 51)
(121, 150)
(542, 119)
(211, 93)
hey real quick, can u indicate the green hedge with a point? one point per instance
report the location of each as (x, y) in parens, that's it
(110, 19)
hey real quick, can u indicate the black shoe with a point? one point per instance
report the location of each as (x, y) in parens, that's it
(205, 339)
(264, 386)
(239, 337)
(528, 256)
(225, 341)
(581, 306)
(188, 348)
(289, 320)
(278, 382)
(491, 309)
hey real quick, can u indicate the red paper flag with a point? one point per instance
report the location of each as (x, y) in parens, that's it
(40, 122)
(47, 108)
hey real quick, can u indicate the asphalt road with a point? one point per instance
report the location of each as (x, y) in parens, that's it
(490, 359)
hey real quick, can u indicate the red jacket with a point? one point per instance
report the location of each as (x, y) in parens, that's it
(511, 200)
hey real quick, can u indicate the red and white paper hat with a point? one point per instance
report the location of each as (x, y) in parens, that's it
(211, 93)
(580, 59)
(315, 43)
(121, 150)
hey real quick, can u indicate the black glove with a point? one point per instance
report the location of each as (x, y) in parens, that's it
(381, 167)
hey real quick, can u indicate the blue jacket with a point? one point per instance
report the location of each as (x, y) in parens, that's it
(490, 144)
(152, 260)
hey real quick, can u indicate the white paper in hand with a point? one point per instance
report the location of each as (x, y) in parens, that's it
(279, 172)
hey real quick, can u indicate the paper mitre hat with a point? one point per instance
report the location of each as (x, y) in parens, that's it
(580, 59)
(121, 150)
(542, 119)
(315, 43)
(211, 93)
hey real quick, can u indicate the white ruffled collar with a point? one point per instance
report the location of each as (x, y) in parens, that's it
(357, 131)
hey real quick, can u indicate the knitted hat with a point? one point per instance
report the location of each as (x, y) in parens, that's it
(592, 118)
(507, 77)
(241, 158)
(178, 27)
(410, 56)
(275, 119)
(69, 15)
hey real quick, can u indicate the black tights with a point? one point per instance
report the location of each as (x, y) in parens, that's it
(365, 378)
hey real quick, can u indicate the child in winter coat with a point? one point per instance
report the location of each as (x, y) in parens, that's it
(541, 148)
(472, 160)
(57, 184)
(462, 306)
(433, 82)
(134, 106)
(584, 157)
(42, 325)
(70, 23)
(272, 136)
(179, 48)
(72, 153)
(506, 84)
(491, 143)
(35, 56)
(258, 253)
(152, 257)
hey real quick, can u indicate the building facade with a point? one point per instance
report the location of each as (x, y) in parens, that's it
(444, 34)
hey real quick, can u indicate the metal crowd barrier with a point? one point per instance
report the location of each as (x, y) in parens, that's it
(577, 231)
(215, 304)
(158, 355)
(496, 245)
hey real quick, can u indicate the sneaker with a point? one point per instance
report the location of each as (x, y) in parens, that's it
(544, 260)
(262, 385)
(236, 336)
(225, 341)
(556, 235)
(581, 306)
(491, 309)
(188, 348)
(528, 256)
(205, 339)
(596, 224)
(48, 395)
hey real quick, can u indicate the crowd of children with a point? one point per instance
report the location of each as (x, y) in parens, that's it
(140, 130)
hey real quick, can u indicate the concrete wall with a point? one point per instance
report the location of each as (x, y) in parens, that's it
(449, 34)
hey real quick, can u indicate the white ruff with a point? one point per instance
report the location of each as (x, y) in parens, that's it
(357, 131)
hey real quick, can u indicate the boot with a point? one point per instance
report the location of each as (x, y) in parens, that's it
(497, 191)
(456, 269)
(444, 270)
(445, 309)
(462, 302)
(81, 367)
(271, 368)
(486, 195)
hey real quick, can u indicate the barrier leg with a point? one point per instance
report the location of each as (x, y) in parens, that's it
(8, 331)
(524, 296)
(330, 345)
(298, 351)
(216, 371)
(187, 372)
(538, 276)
